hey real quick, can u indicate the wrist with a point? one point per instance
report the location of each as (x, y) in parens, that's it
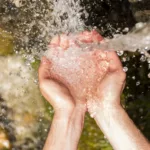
(74, 116)
(70, 126)
(96, 106)
(106, 112)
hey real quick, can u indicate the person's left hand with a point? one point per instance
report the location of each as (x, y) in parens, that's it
(58, 90)
(79, 71)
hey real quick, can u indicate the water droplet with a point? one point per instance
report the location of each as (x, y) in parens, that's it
(148, 60)
(35, 81)
(149, 75)
(120, 53)
(124, 59)
(146, 48)
(125, 69)
(45, 130)
(143, 58)
(133, 77)
(137, 83)
(141, 110)
(140, 24)
(93, 114)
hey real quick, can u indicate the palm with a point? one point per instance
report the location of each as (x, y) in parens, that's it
(109, 90)
(113, 82)
(58, 95)
(87, 75)
(80, 72)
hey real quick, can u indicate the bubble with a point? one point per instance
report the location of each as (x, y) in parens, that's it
(133, 77)
(149, 75)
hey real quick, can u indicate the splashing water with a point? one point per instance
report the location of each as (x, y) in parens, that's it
(18, 86)
(66, 16)
(137, 39)
(60, 16)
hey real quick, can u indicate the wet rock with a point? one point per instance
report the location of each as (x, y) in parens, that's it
(142, 16)
(141, 10)
(109, 16)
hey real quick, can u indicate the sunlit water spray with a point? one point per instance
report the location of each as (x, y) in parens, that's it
(60, 16)
(137, 39)
(18, 79)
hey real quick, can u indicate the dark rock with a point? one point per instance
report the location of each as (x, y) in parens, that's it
(109, 15)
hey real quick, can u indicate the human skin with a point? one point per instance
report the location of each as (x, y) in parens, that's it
(110, 116)
(68, 119)
(69, 109)
(103, 104)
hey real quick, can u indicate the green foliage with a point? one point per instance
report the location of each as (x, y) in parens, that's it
(137, 91)
(92, 138)
(6, 43)
(35, 64)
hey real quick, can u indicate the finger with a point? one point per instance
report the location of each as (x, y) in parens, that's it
(64, 41)
(85, 37)
(43, 72)
(55, 41)
(89, 37)
(115, 67)
(100, 55)
(96, 36)
(114, 61)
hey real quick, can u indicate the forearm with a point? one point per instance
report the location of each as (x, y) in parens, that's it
(119, 129)
(65, 131)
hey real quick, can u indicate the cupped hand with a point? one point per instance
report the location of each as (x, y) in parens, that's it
(79, 68)
(54, 91)
(109, 90)
(91, 76)
(54, 87)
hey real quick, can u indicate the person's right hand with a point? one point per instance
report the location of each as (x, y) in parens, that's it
(86, 76)
(80, 71)
(54, 91)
